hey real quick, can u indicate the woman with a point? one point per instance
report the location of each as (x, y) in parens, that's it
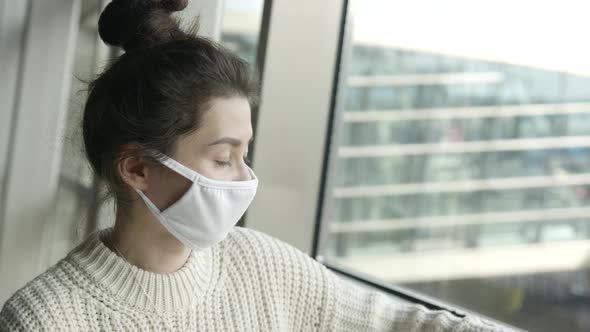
(167, 128)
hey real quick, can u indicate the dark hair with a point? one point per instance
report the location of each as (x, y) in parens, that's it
(158, 89)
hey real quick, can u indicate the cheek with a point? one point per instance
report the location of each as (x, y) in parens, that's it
(166, 187)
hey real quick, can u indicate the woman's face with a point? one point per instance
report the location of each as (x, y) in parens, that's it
(217, 150)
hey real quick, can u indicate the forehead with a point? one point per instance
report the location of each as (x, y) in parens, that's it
(224, 117)
(227, 115)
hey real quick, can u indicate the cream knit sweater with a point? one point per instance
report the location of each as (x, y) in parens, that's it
(248, 282)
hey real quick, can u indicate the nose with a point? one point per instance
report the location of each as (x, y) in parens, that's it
(244, 173)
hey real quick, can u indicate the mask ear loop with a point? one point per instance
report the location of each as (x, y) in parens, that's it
(148, 202)
(192, 175)
(179, 168)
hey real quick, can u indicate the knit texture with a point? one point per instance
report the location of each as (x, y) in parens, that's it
(248, 282)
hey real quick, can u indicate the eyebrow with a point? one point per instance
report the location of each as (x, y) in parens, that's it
(231, 141)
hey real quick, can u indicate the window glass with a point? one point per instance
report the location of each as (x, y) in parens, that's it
(241, 27)
(460, 164)
(75, 194)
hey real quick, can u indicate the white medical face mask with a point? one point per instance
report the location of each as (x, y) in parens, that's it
(209, 209)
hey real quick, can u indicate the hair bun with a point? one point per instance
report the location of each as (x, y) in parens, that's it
(173, 5)
(132, 24)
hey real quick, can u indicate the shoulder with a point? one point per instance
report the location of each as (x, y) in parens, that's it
(33, 307)
(300, 284)
(250, 239)
(260, 248)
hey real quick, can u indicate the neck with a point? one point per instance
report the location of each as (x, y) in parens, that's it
(141, 240)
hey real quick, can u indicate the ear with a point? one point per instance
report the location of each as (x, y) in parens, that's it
(132, 168)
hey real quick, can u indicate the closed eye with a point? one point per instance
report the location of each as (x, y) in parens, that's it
(222, 163)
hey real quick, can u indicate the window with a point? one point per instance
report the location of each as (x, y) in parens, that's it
(75, 199)
(460, 157)
(241, 27)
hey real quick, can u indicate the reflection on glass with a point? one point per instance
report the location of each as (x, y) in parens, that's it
(462, 165)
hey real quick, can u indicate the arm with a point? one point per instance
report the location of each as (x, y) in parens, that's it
(359, 309)
(313, 298)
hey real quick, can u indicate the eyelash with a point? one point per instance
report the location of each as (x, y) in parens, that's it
(228, 164)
